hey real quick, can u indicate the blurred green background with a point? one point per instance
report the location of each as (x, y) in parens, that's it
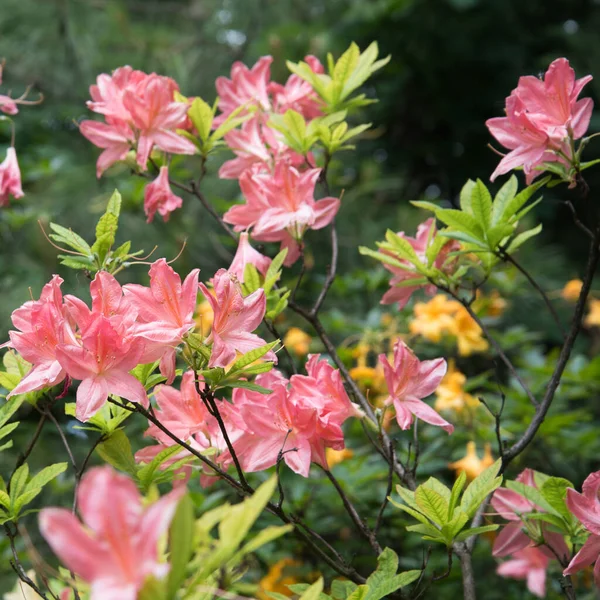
(453, 63)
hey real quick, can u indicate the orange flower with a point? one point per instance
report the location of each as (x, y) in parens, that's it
(450, 394)
(471, 464)
(434, 318)
(469, 336)
(572, 290)
(592, 319)
(204, 317)
(275, 580)
(335, 457)
(297, 341)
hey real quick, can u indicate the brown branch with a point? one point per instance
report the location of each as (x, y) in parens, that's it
(508, 258)
(25, 455)
(361, 526)
(563, 358)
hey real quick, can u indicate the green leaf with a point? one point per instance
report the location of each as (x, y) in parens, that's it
(181, 536)
(273, 272)
(9, 408)
(451, 529)
(252, 356)
(251, 278)
(38, 481)
(246, 385)
(116, 451)
(346, 63)
(513, 206)
(520, 239)
(481, 204)
(202, 116)
(457, 488)
(461, 221)
(62, 235)
(467, 533)
(146, 473)
(432, 504)
(19, 480)
(107, 226)
(554, 491)
(465, 196)
(342, 588)
(437, 486)
(497, 233)
(485, 483)
(506, 193)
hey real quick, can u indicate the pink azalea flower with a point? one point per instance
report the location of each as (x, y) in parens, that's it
(246, 87)
(8, 105)
(297, 94)
(42, 327)
(102, 362)
(116, 139)
(276, 424)
(541, 116)
(165, 312)
(116, 547)
(158, 196)
(409, 380)
(586, 507)
(235, 318)
(258, 148)
(181, 411)
(10, 178)
(426, 233)
(246, 254)
(529, 564)
(107, 94)
(281, 207)
(156, 116)
(323, 388)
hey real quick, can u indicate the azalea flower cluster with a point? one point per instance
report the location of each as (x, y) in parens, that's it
(295, 422)
(116, 548)
(401, 289)
(543, 118)
(278, 184)
(126, 326)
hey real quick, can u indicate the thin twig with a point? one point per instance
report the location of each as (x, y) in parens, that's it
(23, 457)
(388, 491)
(331, 272)
(270, 325)
(508, 258)
(361, 526)
(17, 566)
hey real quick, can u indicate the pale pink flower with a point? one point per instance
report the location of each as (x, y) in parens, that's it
(409, 380)
(165, 312)
(281, 207)
(115, 549)
(116, 139)
(275, 424)
(586, 507)
(247, 87)
(529, 564)
(258, 148)
(541, 116)
(42, 327)
(297, 94)
(102, 361)
(156, 115)
(323, 388)
(107, 94)
(10, 178)
(426, 233)
(246, 254)
(235, 318)
(158, 196)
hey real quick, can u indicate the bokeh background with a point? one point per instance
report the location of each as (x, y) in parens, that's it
(453, 63)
